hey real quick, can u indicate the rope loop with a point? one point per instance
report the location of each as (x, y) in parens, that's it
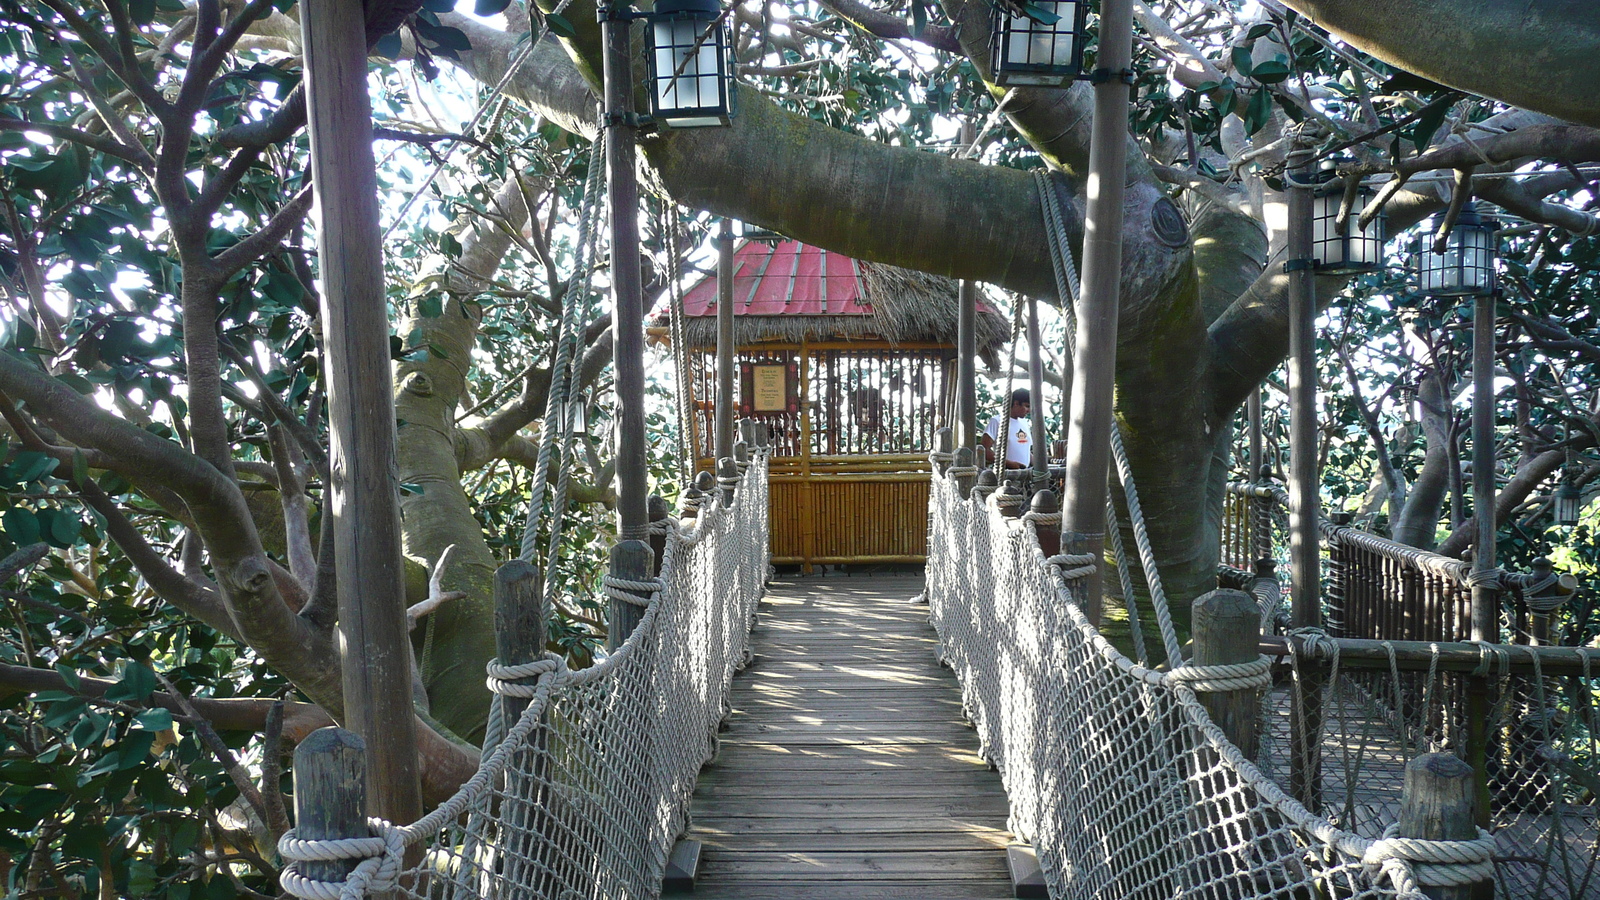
(508, 681)
(1485, 578)
(959, 471)
(1431, 863)
(1492, 658)
(1045, 519)
(663, 526)
(1254, 675)
(379, 870)
(628, 591)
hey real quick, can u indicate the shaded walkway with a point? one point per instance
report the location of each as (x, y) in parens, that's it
(847, 770)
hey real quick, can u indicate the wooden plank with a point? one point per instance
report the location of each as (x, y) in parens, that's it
(972, 806)
(945, 865)
(891, 840)
(789, 889)
(885, 827)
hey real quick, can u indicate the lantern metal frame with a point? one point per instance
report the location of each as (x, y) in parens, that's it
(1468, 267)
(1009, 27)
(1350, 250)
(1567, 503)
(710, 32)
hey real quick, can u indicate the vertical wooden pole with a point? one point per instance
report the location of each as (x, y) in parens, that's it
(355, 321)
(1095, 366)
(1436, 805)
(658, 511)
(1485, 595)
(1044, 503)
(622, 197)
(727, 476)
(330, 794)
(1041, 452)
(1257, 458)
(724, 340)
(1227, 631)
(967, 367)
(1305, 776)
(630, 561)
(519, 624)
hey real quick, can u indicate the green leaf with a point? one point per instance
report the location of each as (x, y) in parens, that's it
(490, 7)
(1428, 123)
(1259, 30)
(1205, 86)
(141, 878)
(388, 46)
(559, 26)
(431, 307)
(1040, 14)
(137, 683)
(143, 12)
(919, 18)
(1259, 110)
(1241, 60)
(69, 675)
(411, 487)
(154, 720)
(1271, 72)
(63, 528)
(80, 467)
(21, 526)
(31, 465)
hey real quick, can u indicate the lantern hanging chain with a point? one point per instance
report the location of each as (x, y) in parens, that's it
(557, 403)
(489, 102)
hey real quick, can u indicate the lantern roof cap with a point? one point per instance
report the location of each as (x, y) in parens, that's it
(669, 7)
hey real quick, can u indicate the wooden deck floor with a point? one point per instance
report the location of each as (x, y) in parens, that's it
(847, 771)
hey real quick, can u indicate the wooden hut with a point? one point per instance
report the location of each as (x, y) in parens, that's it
(851, 366)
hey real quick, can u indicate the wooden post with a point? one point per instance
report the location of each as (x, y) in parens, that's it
(1008, 498)
(622, 196)
(1227, 631)
(630, 560)
(967, 367)
(727, 478)
(724, 430)
(741, 457)
(658, 511)
(1436, 805)
(330, 795)
(365, 503)
(1044, 503)
(706, 481)
(519, 624)
(966, 476)
(692, 498)
(1041, 449)
(1257, 456)
(943, 448)
(1305, 754)
(1095, 365)
(1485, 594)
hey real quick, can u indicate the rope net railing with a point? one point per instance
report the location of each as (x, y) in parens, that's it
(1115, 772)
(1541, 754)
(587, 791)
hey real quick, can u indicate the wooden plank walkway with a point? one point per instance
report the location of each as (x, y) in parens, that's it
(847, 771)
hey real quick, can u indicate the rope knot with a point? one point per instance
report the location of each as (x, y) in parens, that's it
(379, 870)
(1410, 862)
(508, 681)
(1254, 675)
(1485, 578)
(628, 590)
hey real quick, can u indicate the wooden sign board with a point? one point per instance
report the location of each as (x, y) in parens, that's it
(766, 388)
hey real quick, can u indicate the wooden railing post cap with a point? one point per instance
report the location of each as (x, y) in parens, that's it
(987, 478)
(705, 482)
(963, 456)
(741, 453)
(1266, 567)
(656, 507)
(943, 440)
(1044, 502)
(727, 468)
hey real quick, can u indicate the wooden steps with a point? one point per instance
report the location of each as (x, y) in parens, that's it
(846, 771)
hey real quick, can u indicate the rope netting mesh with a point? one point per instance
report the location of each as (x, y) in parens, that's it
(587, 792)
(1116, 774)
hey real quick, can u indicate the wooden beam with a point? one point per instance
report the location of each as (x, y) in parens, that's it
(365, 501)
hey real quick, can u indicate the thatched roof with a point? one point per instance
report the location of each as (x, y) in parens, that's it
(794, 292)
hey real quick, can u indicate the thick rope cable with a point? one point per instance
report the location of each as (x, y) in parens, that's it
(1125, 575)
(680, 352)
(1067, 287)
(557, 398)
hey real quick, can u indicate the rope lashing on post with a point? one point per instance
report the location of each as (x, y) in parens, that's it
(630, 591)
(1072, 566)
(1431, 863)
(379, 870)
(508, 681)
(959, 471)
(1255, 675)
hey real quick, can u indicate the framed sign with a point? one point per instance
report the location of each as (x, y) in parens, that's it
(766, 388)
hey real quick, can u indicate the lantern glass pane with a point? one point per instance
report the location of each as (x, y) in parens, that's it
(686, 57)
(1033, 52)
(1352, 248)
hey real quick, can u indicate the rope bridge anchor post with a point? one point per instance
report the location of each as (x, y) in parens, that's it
(626, 587)
(1451, 858)
(1227, 635)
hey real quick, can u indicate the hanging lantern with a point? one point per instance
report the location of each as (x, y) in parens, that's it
(750, 232)
(1039, 44)
(1349, 250)
(689, 64)
(578, 414)
(1466, 268)
(1568, 502)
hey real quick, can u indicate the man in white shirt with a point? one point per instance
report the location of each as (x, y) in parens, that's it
(1019, 432)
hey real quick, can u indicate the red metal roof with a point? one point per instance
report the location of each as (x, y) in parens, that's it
(785, 279)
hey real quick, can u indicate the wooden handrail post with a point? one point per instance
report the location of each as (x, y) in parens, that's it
(967, 366)
(364, 503)
(1095, 364)
(1041, 448)
(1044, 503)
(519, 624)
(965, 476)
(1227, 631)
(630, 561)
(658, 511)
(943, 448)
(1436, 804)
(727, 478)
(741, 457)
(330, 795)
